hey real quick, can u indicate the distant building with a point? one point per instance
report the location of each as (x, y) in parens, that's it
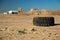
(5, 13)
(12, 12)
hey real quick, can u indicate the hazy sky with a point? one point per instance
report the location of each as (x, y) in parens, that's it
(28, 4)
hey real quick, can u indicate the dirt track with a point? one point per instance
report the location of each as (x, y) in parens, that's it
(9, 26)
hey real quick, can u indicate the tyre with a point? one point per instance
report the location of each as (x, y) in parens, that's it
(43, 21)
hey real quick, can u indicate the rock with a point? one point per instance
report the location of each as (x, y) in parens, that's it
(1, 38)
(33, 29)
(49, 36)
(44, 30)
(50, 33)
(3, 29)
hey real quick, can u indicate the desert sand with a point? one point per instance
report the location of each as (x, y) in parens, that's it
(11, 24)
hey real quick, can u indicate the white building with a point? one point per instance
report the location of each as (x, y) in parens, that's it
(13, 12)
(5, 13)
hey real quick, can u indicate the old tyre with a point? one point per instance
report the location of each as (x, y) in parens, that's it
(43, 21)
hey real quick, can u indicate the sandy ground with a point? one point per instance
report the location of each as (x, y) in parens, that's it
(10, 25)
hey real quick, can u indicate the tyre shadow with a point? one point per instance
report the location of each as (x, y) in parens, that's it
(56, 24)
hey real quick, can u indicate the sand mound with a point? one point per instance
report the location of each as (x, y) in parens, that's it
(54, 12)
(42, 12)
(45, 12)
(33, 12)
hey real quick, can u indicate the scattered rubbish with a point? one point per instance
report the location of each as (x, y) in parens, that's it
(22, 32)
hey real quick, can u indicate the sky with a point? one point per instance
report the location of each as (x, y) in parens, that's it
(6, 5)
